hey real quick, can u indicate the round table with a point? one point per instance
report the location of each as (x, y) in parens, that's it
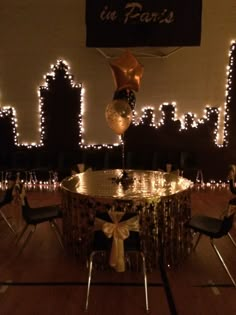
(162, 201)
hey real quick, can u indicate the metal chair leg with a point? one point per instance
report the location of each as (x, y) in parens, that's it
(7, 222)
(89, 279)
(57, 232)
(22, 233)
(145, 281)
(27, 239)
(197, 241)
(231, 238)
(222, 261)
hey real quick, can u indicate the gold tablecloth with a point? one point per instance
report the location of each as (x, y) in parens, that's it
(162, 201)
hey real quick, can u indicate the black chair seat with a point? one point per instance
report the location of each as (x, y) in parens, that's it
(213, 228)
(209, 226)
(41, 214)
(37, 215)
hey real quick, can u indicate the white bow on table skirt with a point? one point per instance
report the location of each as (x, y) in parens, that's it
(119, 231)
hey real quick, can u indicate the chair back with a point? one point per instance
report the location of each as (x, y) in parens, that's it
(105, 216)
(26, 209)
(227, 224)
(116, 232)
(232, 186)
(7, 198)
(25, 204)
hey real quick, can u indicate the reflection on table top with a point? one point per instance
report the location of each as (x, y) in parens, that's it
(143, 184)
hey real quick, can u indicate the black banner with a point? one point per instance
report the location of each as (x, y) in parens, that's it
(127, 23)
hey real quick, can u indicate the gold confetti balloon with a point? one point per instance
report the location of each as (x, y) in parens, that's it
(118, 116)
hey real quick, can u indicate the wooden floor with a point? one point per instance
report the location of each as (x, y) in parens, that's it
(44, 280)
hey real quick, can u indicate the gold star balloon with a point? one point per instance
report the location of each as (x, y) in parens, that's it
(127, 72)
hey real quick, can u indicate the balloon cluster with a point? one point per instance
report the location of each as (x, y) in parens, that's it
(127, 73)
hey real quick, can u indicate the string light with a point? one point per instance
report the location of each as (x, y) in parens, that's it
(171, 109)
(228, 93)
(10, 112)
(62, 68)
(187, 121)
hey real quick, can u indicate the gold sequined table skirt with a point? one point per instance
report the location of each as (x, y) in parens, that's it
(163, 212)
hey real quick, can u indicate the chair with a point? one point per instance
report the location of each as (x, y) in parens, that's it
(107, 236)
(214, 228)
(7, 199)
(35, 216)
(232, 203)
(7, 221)
(190, 166)
(230, 208)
